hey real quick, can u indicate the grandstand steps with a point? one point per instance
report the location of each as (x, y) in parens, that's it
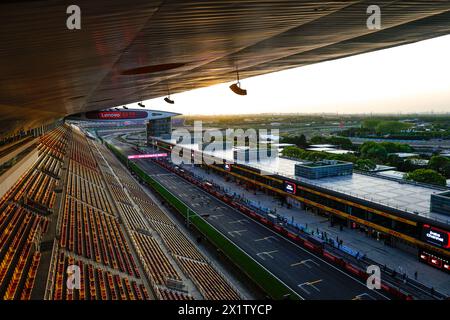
(168, 294)
(187, 285)
(40, 282)
(144, 232)
(93, 207)
(52, 156)
(46, 246)
(34, 207)
(101, 266)
(48, 239)
(49, 173)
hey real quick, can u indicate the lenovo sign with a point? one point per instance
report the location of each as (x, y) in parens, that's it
(116, 115)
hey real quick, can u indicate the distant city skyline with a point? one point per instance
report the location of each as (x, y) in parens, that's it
(413, 78)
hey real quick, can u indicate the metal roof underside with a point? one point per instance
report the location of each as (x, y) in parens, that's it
(134, 50)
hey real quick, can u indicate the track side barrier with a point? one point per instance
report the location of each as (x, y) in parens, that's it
(309, 243)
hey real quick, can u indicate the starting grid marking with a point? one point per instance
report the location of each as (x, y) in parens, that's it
(269, 238)
(262, 255)
(237, 232)
(216, 216)
(310, 285)
(241, 221)
(307, 263)
(363, 296)
(219, 208)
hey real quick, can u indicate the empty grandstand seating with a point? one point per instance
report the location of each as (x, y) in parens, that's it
(95, 283)
(119, 194)
(104, 224)
(94, 235)
(39, 190)
(153, 212)
(35, 189)
(54, 143)
(18, 230)
(165, 294)
(50, 165)
(209, 282)
(158, 265)
(86, 173)
(81, 153)
(176, 241)
(132, 217)
(23, 220)
(89, 193)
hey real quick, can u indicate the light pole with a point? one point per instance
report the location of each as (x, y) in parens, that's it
(187, 216)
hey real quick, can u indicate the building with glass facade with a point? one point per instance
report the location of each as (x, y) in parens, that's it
(323, 169)
(440, 203)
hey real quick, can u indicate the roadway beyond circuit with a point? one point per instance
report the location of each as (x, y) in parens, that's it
(308, 275)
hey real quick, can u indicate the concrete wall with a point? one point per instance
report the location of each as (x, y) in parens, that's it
(14, 153)
(9, 178)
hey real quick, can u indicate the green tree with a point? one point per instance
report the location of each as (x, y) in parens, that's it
(439, 163)
(393, 147)
(427, 176)
(318, 140)
(299, 141)
(365, 165)
(315, 155)
(293, 152)
(446, 171)
(373, 150)
(370, 124)
(344, 143)
(385, 127)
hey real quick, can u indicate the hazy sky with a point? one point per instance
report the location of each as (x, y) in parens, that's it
(410, 78)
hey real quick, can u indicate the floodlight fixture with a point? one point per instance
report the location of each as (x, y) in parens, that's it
(236, 87)
(167, 99)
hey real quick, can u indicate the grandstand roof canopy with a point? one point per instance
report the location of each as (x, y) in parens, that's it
(134, 50)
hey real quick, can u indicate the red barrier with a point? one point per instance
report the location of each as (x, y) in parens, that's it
(278, 228)
(352, 269)
(329, 257)
(292, 236)
(311, 246)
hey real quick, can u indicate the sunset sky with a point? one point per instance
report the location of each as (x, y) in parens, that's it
(410, 78)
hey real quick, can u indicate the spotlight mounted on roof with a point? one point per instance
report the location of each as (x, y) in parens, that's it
(167, 99)
(236, 87)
